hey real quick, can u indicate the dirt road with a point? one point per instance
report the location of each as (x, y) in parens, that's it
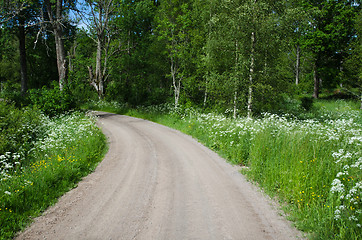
(156, 183)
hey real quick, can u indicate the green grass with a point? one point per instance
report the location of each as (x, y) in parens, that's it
(312, 166)
(70, 149)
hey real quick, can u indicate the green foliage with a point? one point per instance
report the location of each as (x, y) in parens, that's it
(9, 66)
(52, 101)
(108, 106)
(11, 93)
(307, 103)
(18, 128)
(330, 39)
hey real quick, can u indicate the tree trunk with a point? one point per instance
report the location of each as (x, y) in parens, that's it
(205, 94)
(297, 65)
(22, 51)
(99, 75)
(251, 75)
(59, 43)
(235, 103)
(251, 71)
(61, 57)
(236, 78)
(175, 82)
(316, 81)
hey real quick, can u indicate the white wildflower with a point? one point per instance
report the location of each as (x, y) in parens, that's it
(353, 218)
(337, 186)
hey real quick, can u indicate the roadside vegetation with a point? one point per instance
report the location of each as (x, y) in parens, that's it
(40, 159)
(310, 162)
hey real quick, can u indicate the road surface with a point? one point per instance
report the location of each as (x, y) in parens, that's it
(157, 183)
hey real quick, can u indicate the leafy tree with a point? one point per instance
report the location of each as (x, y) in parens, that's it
(333, 30)
(9, 63)
(173, 28)
(352, 66)
(134, 69)
(19, 16)
(241, 47)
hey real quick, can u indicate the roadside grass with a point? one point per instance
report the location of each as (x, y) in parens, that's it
(312, 166)
(69, 149)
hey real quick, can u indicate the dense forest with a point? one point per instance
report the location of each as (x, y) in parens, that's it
(240, 56)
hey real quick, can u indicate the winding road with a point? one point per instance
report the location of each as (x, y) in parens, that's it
(156, 183)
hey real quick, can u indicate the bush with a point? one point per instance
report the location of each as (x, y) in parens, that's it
(307, 103)
(18, 127)
(12, 93)
(52, 101)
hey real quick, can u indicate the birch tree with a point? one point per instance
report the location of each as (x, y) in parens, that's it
(173, 29)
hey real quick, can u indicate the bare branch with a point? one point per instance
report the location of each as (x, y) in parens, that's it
(11, 12)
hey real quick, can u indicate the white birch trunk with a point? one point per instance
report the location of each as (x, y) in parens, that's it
(236, 79)
(251, 75)
(297, 65)
(205, 94)
(175, 82)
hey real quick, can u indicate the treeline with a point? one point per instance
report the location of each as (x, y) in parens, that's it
(244, 56)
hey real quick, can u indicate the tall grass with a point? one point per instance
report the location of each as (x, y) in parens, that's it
(313, 166)
(68, 149)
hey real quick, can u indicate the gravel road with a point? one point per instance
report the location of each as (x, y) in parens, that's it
(157, 183)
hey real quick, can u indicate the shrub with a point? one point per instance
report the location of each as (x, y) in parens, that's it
(307, 103)
(18, 128)
(52, 101)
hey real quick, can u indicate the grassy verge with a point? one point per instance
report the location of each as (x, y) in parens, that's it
(313, 166)
(69, 148)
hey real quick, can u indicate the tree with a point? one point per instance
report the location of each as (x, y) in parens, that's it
(101, 13)
(333, 29)
(9, 63)
(241, 50)
(174, 23)
(296, 24)
(56, 11)
(352, 65)
(16, 15)
(137, 66)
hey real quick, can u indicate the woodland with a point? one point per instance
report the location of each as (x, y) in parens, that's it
(241, 56)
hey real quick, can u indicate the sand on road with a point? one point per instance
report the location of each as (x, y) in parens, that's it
(157, 183)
